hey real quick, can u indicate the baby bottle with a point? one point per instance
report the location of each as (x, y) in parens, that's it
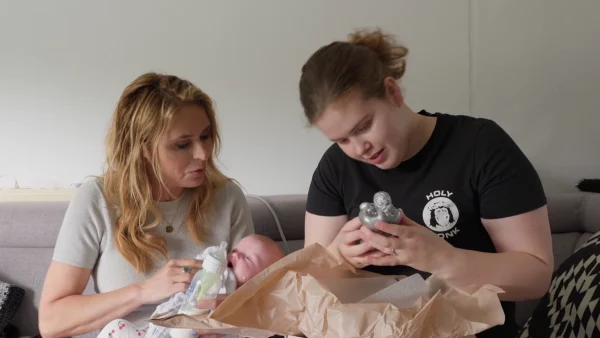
(205, 285)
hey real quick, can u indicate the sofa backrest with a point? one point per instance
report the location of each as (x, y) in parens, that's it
(288, 210)
(28, 231)
(28, 234)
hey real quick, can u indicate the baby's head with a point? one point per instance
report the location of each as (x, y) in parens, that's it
(251, 255)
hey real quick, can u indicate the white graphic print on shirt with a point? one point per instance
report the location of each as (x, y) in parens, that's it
(440, 214)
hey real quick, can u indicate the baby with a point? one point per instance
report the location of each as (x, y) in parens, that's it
(249, 257)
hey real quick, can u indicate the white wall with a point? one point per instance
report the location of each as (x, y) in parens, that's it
(63, 65)
(536, 70)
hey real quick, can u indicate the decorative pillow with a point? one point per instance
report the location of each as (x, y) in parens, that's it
(10, 331)
(589, 185)
(10, 299)
(571, 306)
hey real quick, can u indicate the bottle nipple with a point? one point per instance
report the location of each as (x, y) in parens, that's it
(216, 262)
(221, 253)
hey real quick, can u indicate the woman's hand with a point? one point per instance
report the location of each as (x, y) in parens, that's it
(411, 245)
(349, 246)
(174, 277)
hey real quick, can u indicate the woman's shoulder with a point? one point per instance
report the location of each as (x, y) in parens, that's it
(229, 192)
(84, 225)
(231, 186)
(230, 205)
(469, 123)
(485, 132)
(475, 130)
(91, 192)
(89, 201)
(333, 160)
(334, 153)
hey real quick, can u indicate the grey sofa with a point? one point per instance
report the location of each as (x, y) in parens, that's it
(28, 231)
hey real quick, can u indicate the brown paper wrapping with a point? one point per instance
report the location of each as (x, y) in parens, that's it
(310, 293)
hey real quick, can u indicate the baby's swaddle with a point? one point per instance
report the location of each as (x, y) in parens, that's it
(171, 306)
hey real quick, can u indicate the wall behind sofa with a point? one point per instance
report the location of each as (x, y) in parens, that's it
(63, 65)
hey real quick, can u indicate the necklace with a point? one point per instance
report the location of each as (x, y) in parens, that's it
(170, 224)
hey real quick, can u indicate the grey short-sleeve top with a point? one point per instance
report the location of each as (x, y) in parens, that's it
(86, 236)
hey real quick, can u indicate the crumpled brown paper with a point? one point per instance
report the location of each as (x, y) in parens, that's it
(310, 293)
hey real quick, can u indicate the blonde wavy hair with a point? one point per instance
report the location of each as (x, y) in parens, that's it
(144, 112)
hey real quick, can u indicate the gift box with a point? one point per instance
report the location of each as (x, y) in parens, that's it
(310, 293)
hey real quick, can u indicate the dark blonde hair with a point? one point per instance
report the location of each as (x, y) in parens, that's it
(363, 62)
(144, 112)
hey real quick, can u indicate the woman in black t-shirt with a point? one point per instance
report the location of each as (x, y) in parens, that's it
(474, 207)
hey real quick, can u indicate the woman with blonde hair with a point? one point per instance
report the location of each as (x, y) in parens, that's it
(137, 227)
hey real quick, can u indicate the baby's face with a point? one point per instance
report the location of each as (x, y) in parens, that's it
(252, 255)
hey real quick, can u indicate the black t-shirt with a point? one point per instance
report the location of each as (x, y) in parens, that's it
(469, 169)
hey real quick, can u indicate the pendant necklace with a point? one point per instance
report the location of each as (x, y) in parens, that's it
(170, 224)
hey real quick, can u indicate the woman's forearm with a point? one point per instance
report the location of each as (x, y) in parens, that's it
(79, 314)
(522, 276)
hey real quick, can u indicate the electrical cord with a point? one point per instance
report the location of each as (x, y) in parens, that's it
(276, 220)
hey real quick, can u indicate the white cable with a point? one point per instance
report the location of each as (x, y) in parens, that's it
(276, 220)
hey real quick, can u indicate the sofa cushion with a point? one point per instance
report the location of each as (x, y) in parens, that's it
(571, 307)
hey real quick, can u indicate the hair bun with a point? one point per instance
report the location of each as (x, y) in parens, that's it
(384, 45)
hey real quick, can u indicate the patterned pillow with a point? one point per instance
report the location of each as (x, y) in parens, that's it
(571, 306)
(10, 299)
